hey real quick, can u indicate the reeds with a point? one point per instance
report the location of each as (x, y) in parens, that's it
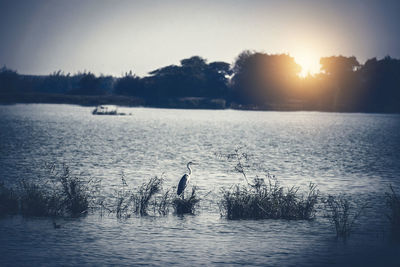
(393, 203)
(61, 195)
(8, 201)
(146, 191)
(147, 199)
(36, 201)
(342, 214)
(150, 199)
(187, 205)
(268, 201)
(73, 195)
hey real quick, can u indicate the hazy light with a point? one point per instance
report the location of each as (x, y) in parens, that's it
(112, 37)
(309, 64)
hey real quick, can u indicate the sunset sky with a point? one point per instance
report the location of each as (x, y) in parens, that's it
(113, 37)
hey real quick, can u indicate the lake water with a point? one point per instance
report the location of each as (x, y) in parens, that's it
(356, 154)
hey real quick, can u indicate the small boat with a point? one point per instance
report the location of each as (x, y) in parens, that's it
(106, 110)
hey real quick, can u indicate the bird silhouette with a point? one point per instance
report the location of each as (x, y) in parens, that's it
(184, 180)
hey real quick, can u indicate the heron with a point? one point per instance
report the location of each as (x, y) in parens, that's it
(185, 179)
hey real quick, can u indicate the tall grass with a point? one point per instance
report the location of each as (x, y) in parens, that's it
(145, 193)
(268, 201)
(35, 201)
(186, 205)
(161, 205)
(60, 195)
(74, 194)
(147, 198)
(393, 203)
(342, 214)
(8, 201)
(259, 199)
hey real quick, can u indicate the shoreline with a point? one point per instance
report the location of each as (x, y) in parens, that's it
(170, 103)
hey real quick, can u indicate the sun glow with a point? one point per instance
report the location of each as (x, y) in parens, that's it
(309, 64)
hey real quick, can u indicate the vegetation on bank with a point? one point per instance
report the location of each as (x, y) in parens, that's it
(254, 81)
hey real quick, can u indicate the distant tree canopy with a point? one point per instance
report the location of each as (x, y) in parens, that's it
(260, 78)
(340, 82)
(254, 79)
(380, 82)
(130, 85)
(9, 81)
(337, 65)
(193, 78)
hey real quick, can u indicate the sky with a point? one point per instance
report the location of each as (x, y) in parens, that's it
(116, 36)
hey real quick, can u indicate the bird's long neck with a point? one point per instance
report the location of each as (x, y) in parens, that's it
(190, 169)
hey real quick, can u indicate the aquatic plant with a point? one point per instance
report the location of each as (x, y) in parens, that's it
(73, 196)
(35, 201)
(61, 194)
(146, 191)
(8, 201)
(161, 204)
(342, 214)
(260, 200)
(393, 203)
(123, 200)
(268, 201)
(187, 205)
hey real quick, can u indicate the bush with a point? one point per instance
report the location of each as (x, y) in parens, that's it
(8, 201)
(342, 214)
(268, 201)
(186, 205)
(393, 203)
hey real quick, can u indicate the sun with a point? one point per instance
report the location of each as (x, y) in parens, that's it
(308, 62)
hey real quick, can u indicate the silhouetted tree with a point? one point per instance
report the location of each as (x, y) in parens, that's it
(130, 85)
(255, 78)
(9, 81)
(193, 78)
(56, 83)
(88, 84)
(341, 83)
(260, 78)
(380, 82)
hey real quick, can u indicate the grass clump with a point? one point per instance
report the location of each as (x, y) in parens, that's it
(147, 199)
(268, 201)
(145, 193)
(393, 203)
(260, 200)
(35, 201)
(186, 205)
(8, 201)
(61, 195)
(342, 214)
(73, 195)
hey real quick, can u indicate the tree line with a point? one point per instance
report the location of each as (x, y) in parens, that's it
(255, 80)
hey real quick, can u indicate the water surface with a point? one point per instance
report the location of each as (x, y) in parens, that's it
(356, 154)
